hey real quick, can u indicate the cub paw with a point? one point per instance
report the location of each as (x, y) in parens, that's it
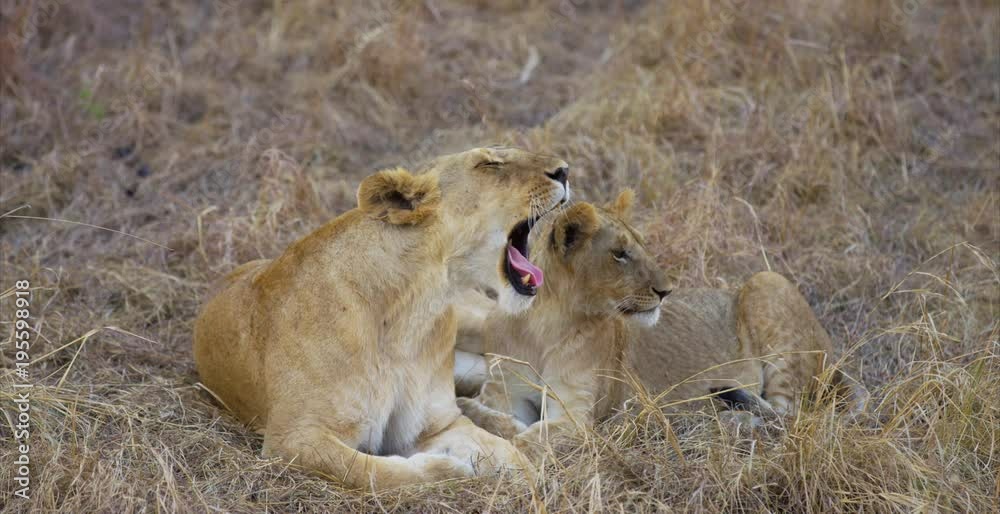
(469, 406)
(493, 421)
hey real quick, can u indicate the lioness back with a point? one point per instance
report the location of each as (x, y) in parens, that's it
(225, 319)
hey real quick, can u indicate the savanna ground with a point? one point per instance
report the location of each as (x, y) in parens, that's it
(852, 146)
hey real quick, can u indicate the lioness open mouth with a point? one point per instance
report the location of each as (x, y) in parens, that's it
(523, 276)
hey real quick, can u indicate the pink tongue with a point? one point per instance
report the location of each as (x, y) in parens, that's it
(523, 266)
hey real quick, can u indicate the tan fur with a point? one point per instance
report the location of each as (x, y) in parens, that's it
(599, 277)
(341, 349)
(764, 338)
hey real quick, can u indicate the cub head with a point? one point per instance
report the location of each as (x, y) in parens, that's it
(485, 202)
(597, 261)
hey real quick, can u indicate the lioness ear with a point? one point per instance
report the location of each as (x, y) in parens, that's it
(622, 206)
(399, 197)
(574, 227)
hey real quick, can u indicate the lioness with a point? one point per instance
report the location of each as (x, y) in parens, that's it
(599, 314)
(344, 344)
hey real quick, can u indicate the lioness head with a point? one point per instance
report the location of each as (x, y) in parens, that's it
(487, 200)
(601, 264)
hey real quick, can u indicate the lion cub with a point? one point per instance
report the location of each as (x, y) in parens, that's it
(341, 350)
(599, 316)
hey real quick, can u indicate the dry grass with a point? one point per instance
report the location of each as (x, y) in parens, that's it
(849, 145)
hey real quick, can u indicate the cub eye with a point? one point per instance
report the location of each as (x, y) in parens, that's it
(489, 164)
(621, 255)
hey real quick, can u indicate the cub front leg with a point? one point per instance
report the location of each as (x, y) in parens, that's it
(471, 371)
(493, 421)
(507, 390)
(568, 409)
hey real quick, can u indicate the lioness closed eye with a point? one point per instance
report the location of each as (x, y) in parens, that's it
(600, 314)
(345, 342)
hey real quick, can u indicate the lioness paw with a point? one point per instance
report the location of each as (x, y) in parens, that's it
(442, 467)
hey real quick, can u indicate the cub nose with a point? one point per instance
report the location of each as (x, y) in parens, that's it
(559, 175)
(662, 294)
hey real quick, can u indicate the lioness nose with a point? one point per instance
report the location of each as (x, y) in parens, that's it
(559, 175)
(662, 294)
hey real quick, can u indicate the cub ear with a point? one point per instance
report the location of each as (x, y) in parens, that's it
(574, 227)
(622, 206)
(399, 197)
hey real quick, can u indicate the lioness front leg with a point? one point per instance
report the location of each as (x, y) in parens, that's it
(486, 453)
(313, 444)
